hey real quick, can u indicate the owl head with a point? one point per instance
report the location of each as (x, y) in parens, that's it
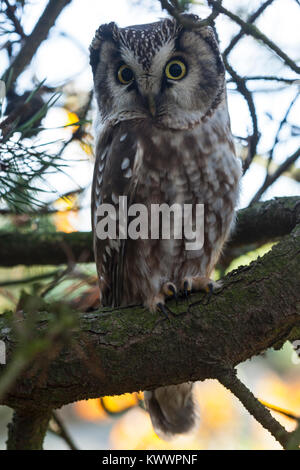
(160, 71)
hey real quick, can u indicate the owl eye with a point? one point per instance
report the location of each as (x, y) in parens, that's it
(125, 74)
(175, 69)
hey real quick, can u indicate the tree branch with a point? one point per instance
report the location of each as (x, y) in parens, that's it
(270, 179)
(252, 18)
(34, 40)
(27, 429)
(261, 223)
(255, 408)
(62, 431)
(270, 78)
(113, 350)
(241, 85)
(10, 13)
(172, 7)
(252, 30)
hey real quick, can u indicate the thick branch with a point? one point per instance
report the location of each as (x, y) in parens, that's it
(265, 221)
(113, 351)
(45, 248)
(258, 224)
(261, 223)
(27, 429)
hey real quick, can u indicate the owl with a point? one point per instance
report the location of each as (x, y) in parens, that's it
(162, 137)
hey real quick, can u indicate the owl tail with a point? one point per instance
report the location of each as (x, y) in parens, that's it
(172, 409)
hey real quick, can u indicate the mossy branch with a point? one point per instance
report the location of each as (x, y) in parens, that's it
(113, 351)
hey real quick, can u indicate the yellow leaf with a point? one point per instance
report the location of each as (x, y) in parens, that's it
(66, 203)
(87, 148)
(72, 118)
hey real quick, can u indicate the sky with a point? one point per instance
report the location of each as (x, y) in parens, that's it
(65, 54)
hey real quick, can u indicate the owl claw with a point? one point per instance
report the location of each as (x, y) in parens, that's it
(210, 289)
(186, 288)
(157, 302)
(164, 309)
(199, 283)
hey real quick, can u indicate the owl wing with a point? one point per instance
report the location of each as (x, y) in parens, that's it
(113, 177)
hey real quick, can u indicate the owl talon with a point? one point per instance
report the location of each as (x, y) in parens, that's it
(199, 283)
(157, 303)
(186, 288)
(164, 309)
(210, 289)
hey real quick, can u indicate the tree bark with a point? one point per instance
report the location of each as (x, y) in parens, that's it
(27, 429)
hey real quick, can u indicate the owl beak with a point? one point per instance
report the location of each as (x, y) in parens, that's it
(151, 105)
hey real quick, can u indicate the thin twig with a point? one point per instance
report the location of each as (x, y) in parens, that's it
(282, 411)
(272, 178)
(253, 31)
(269, 78)
(255, 408)
(173, 9)
(10, 13)
(251, 19)
(63, 432)
(281, 124)
(34, 40)
(245, 92)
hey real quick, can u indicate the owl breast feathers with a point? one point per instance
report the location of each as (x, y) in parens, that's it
(164, 138)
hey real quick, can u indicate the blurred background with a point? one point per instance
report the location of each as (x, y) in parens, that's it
(46, 165)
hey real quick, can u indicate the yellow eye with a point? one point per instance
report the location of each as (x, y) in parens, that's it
(125, 75)
(175, 69)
